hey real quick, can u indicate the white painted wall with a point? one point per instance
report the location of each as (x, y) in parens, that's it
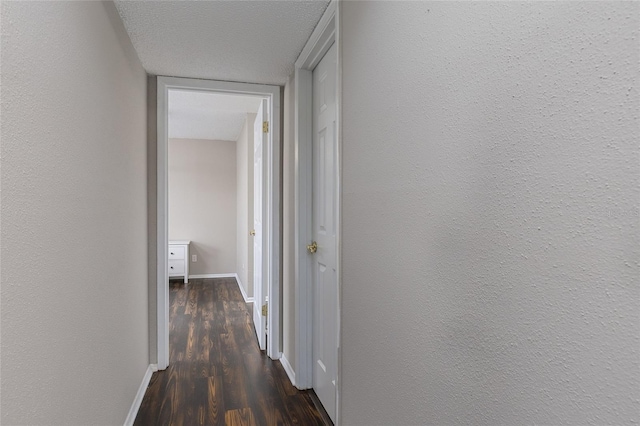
(202, 202)
(74, 226)
(490, 213)
(244, 158)
(288, 225)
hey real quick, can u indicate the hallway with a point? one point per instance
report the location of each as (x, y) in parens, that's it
(487, 178)
(217, 374)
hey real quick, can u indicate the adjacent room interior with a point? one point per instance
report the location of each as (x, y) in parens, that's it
(210, 177)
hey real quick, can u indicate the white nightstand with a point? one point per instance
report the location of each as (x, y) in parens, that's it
(179, 259)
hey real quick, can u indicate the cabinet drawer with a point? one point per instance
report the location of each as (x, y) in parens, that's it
(176, 252)
(176, 267)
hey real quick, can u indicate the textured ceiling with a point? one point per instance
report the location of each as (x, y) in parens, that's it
(247, 41)
(202, 115)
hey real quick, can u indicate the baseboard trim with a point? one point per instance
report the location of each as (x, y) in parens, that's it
(288, 369)
(213, 276)
(246, 298)
(137, 401)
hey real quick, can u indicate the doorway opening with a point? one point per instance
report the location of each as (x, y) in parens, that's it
(257, 110)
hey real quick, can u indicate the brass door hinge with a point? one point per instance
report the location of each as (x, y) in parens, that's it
(265, 127)
(264, 310)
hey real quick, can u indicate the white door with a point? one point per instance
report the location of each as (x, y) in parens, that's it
(259, 143)
(325, 286)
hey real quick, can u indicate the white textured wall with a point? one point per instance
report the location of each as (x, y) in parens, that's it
(74, 226)
(202, 202)
(490, 213)
(244, 159)
(288, 225)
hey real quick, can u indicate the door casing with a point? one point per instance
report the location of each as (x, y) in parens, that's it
(326, 33)
(271, 197)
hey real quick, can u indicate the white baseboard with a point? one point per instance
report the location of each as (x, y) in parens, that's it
(246, 298)
(231, 275)
(133, 411)
(287, 367)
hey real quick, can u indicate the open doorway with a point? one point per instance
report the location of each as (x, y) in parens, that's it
(218, 195)
(210, 189)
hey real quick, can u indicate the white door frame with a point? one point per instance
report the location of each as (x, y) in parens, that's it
(325, 34)
(271, 223)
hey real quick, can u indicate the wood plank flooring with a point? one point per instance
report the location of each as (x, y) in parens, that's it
(217, 374)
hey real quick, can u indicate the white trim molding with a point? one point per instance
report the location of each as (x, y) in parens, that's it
(338, 30)
(288, 369)
(201, 276)
(246, 298)
(320, 40)
(326, 33)
(272, 198)
(137, 401)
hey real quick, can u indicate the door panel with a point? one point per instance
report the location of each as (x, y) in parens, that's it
(324, 199)
(259, 143)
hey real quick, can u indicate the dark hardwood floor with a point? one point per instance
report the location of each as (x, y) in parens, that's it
(217, 374)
